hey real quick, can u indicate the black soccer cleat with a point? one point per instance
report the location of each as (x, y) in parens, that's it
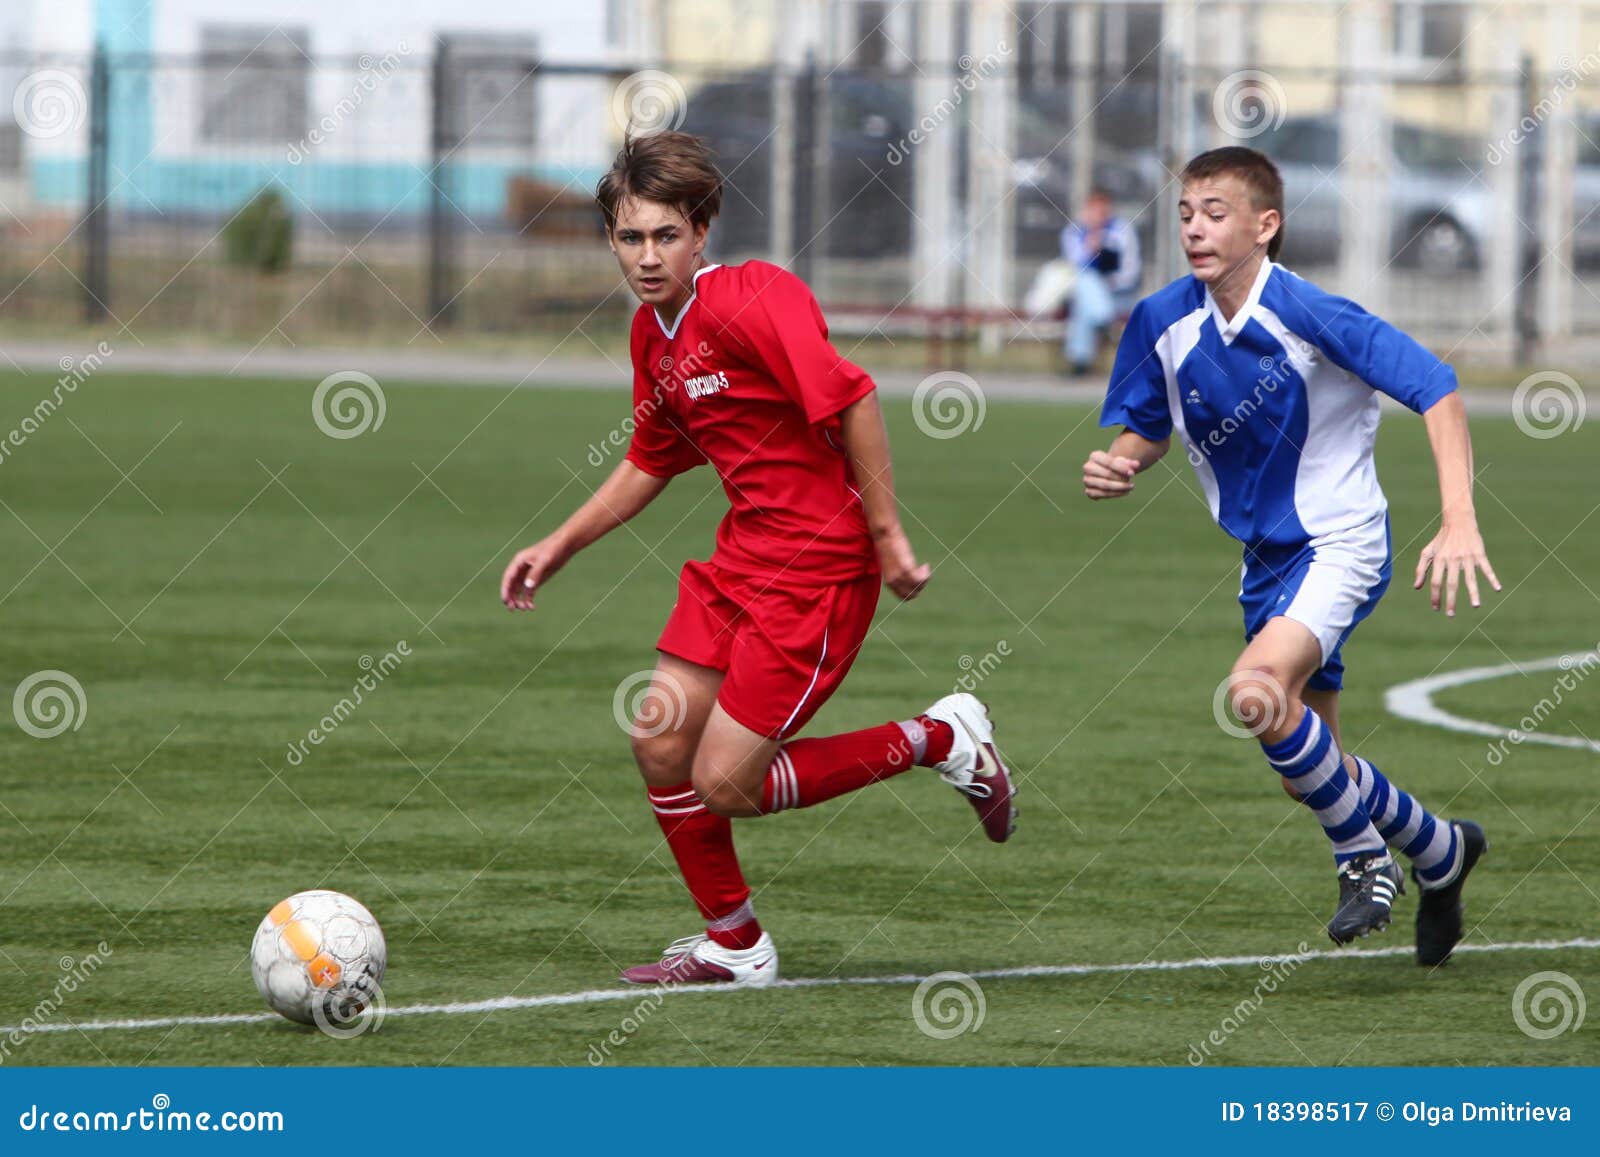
(1439, 910)
(1368, 884)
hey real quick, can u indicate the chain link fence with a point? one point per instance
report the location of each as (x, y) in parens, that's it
(256, 193)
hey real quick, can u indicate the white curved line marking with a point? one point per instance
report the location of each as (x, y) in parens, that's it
(1414, 700)
(599, 995)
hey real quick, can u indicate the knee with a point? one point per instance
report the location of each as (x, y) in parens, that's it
(723, 797)
(664, 760)
(1259, 700)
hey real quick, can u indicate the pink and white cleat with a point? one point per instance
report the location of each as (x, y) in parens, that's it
(974, 767)
(700, 960)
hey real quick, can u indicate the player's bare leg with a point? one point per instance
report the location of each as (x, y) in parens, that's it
(740, 772)
(671, 718)
(1267, 688)
(731, 765)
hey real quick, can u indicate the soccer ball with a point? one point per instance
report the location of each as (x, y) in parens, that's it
(318, 957)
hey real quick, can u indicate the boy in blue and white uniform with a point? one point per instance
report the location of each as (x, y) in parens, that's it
(1271, 385)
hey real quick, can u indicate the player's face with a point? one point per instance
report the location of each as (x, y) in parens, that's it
(658, 250)
(1096, 212)
(1222, 229)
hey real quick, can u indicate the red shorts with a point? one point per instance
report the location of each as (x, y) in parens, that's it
(785, 649)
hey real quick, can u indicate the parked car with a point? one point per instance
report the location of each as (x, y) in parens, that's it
(863, 212)
(1439, 200)
(867, 210)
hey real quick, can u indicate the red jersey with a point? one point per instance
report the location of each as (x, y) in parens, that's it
(746, 379)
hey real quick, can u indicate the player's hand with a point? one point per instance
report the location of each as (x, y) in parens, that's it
(528, 569)
(902, 573)
(1455, 553)
(1106, 476)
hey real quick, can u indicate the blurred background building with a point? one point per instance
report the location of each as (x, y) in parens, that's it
(292, 171)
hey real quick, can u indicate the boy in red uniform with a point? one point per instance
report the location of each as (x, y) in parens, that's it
(732, 366)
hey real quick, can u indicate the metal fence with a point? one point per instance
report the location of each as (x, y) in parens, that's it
(256, 193)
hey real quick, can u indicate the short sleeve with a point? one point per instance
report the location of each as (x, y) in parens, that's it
(1137, 395)
(1384, 357)
(779, 327)
(657, 446)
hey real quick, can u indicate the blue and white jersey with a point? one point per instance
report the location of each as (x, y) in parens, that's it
(1276, 407)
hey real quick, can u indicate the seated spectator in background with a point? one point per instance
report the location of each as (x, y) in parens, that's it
(1105, 250)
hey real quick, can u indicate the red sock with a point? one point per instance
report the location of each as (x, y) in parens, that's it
(809, 771)
(941, 737)
(702, 844)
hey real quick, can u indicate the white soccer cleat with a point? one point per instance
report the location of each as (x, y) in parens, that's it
(974, 767)
(698, 959)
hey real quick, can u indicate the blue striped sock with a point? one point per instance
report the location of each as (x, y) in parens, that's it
(1405, 824)
(1312, 760)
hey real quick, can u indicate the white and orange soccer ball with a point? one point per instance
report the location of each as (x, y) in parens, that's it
(318, 958)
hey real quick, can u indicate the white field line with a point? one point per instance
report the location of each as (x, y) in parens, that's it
(601, 995)
(1414, 700)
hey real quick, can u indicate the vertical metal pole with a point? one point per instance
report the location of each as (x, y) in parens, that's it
(806, 108)
(1501, 259)
(1084, 85)
(933, 168)
(1554, 181)
(441, 303)
(1366, 244)
(96, 224)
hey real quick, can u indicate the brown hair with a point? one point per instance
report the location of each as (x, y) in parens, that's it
(1254, 170)
(670, 168)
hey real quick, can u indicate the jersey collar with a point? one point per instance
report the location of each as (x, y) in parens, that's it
(694, 289)
(1228, 328)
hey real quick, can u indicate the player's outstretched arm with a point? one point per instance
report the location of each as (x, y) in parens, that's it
(1109, 473)
(866, 444)
(621, 496)
(1457, 551)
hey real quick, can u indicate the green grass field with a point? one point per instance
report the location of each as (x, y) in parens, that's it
(482, 801)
